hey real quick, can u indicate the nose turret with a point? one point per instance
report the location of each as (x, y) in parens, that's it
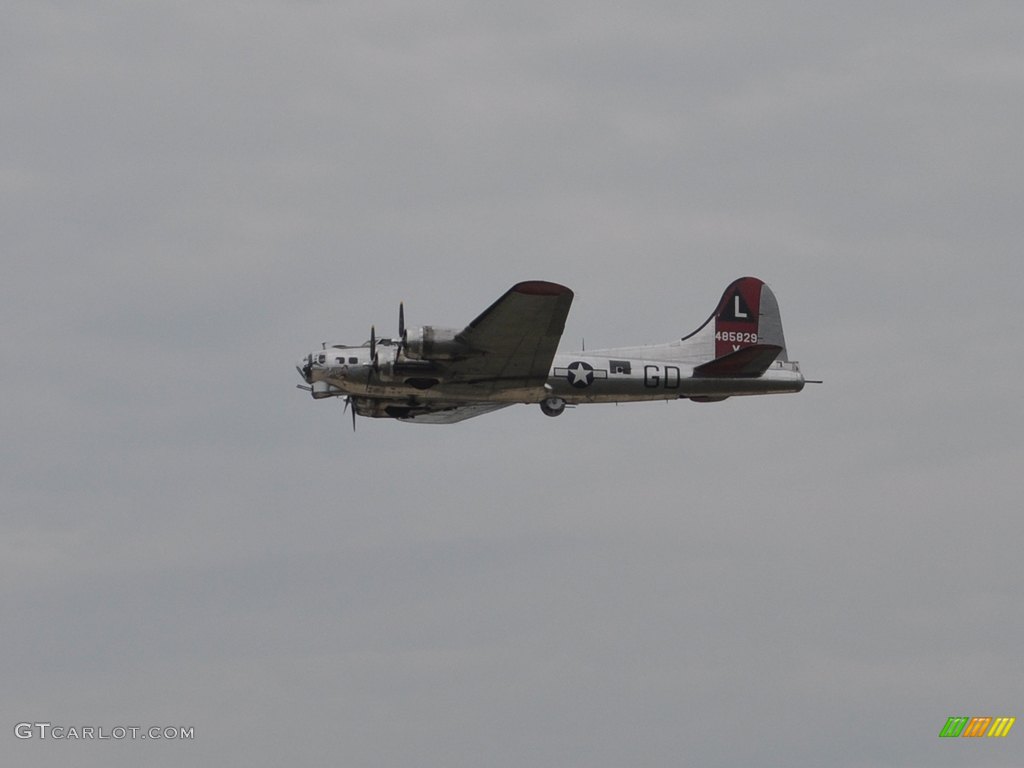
(305, 369)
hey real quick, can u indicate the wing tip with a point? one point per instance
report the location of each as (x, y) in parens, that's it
(541, 288)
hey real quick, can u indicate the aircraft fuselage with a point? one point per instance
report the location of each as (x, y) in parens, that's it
(508, 354)
(575, 378)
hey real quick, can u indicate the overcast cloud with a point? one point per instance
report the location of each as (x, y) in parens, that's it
(194, 195)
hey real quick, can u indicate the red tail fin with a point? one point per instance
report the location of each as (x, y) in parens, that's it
(737, 316)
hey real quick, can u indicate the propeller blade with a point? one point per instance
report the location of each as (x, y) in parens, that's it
(348, 402)
(374, 365)
(403, 333)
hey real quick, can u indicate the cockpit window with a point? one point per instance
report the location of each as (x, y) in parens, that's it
(353, 360)
(321, 358)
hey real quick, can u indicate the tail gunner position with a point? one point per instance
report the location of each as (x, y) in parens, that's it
(507, 355)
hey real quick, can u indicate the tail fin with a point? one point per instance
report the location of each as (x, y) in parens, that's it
(747, 315)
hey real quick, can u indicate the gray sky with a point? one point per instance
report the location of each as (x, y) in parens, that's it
(196, 194)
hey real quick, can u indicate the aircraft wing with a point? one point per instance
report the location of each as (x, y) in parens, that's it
(514, 339)
(453, 414)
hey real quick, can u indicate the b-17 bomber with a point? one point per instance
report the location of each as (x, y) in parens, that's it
(508, 355)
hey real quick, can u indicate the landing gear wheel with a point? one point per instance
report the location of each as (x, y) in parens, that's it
(553, 406)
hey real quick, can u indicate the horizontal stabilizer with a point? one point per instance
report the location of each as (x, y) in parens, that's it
(749, 362)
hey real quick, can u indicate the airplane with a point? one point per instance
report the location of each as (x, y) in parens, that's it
(507, 355)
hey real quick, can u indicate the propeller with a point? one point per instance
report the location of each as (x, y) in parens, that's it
(374, 362)
(348, 402)
(403, 334)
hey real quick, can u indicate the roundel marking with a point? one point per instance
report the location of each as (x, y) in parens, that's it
(580, 374)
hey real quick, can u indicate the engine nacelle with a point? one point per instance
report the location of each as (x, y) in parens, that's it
(430, 343)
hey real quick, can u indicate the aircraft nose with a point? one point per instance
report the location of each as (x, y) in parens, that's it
(305, 368)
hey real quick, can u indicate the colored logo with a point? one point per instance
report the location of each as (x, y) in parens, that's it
(581, 375)
(974, 727)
